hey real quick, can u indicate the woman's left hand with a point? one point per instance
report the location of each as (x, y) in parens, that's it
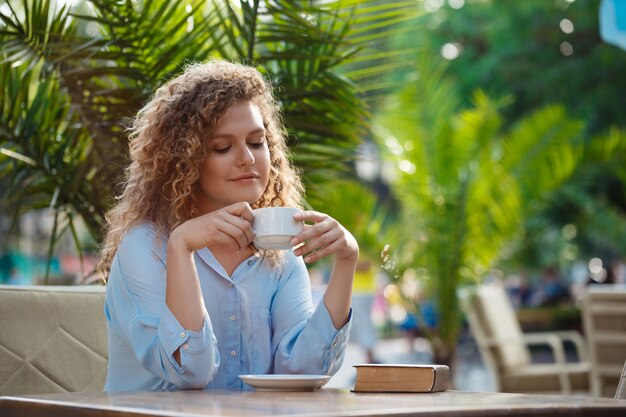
(325, 237)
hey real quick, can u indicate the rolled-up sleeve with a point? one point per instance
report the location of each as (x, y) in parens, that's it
(306, 342)
(138, 313)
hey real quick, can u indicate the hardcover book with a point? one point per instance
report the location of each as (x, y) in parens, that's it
(401, 378)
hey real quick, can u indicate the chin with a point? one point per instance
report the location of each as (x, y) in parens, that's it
(248, 198)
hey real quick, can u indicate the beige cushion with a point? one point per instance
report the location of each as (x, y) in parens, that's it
(52, 339)
(499, 321)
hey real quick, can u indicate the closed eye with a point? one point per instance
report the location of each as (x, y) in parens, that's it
(222, 150)
(256, 145)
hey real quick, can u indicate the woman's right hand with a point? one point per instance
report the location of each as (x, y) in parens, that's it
(229, 227)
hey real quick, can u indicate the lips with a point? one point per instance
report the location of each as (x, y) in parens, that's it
(250, 176)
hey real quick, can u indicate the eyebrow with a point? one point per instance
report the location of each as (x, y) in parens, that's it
(228, 135)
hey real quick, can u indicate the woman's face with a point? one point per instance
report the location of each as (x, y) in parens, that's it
(237, 165)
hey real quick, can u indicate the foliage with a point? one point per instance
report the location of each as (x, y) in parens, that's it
(544, 52)
(72, 78)
(522, 48)
(467, 183)
(585, 217)
(359, 210)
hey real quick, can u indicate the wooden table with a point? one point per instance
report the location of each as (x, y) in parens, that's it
(319, 403)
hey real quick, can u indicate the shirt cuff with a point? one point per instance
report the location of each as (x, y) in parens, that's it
(323, 325)
(174, 336)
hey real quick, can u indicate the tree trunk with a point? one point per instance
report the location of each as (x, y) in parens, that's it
(444, 354)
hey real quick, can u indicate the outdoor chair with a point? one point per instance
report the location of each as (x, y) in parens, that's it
(52, 339)
(604, 323)
(504, 348)
(620, 394)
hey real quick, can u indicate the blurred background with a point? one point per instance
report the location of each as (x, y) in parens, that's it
(463, 142)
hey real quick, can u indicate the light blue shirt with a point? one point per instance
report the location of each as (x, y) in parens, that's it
(260, 320)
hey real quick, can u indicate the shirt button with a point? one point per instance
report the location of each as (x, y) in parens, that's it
(182, 334)
(250, 262)
(185, 346)
(233, 353)
(233, 318)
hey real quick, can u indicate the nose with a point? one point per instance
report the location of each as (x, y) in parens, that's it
(246, 157)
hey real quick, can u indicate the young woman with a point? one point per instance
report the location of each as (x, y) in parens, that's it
(190, 302)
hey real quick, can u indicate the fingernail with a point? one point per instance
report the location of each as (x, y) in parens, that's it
(307, 259)
(294, 241)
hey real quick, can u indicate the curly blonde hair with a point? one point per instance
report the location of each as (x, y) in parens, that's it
(168, 141)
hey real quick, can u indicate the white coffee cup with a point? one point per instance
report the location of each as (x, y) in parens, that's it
(274, 227)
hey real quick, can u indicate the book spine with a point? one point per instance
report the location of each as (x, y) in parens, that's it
(441, 378)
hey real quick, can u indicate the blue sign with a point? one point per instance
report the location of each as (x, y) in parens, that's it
(613, 22)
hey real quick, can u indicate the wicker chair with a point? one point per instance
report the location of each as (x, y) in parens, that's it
(604, 321)
(620, 393)
(504, 347)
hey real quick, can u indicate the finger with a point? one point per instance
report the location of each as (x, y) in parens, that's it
(321, 242)
(235, 234)
(241, 216)
(242, 210)
(245, 226)
(310, 216)
(312, 232)
(316, 243)
(321, 253)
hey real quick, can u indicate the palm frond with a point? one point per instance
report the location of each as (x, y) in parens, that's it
(95, 66)
(543, 149)
(358, 209)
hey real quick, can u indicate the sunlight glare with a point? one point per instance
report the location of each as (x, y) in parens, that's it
(5, 10)
(567, 26)
(595, 265)
(569, 231)
(393, 145)
(566, 48)
(69, 3)
(451, 50)
(406, 166)
(433, 5)
(397, 313)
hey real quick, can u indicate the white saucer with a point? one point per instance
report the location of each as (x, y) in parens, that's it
(284, 382)
(273, 241)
